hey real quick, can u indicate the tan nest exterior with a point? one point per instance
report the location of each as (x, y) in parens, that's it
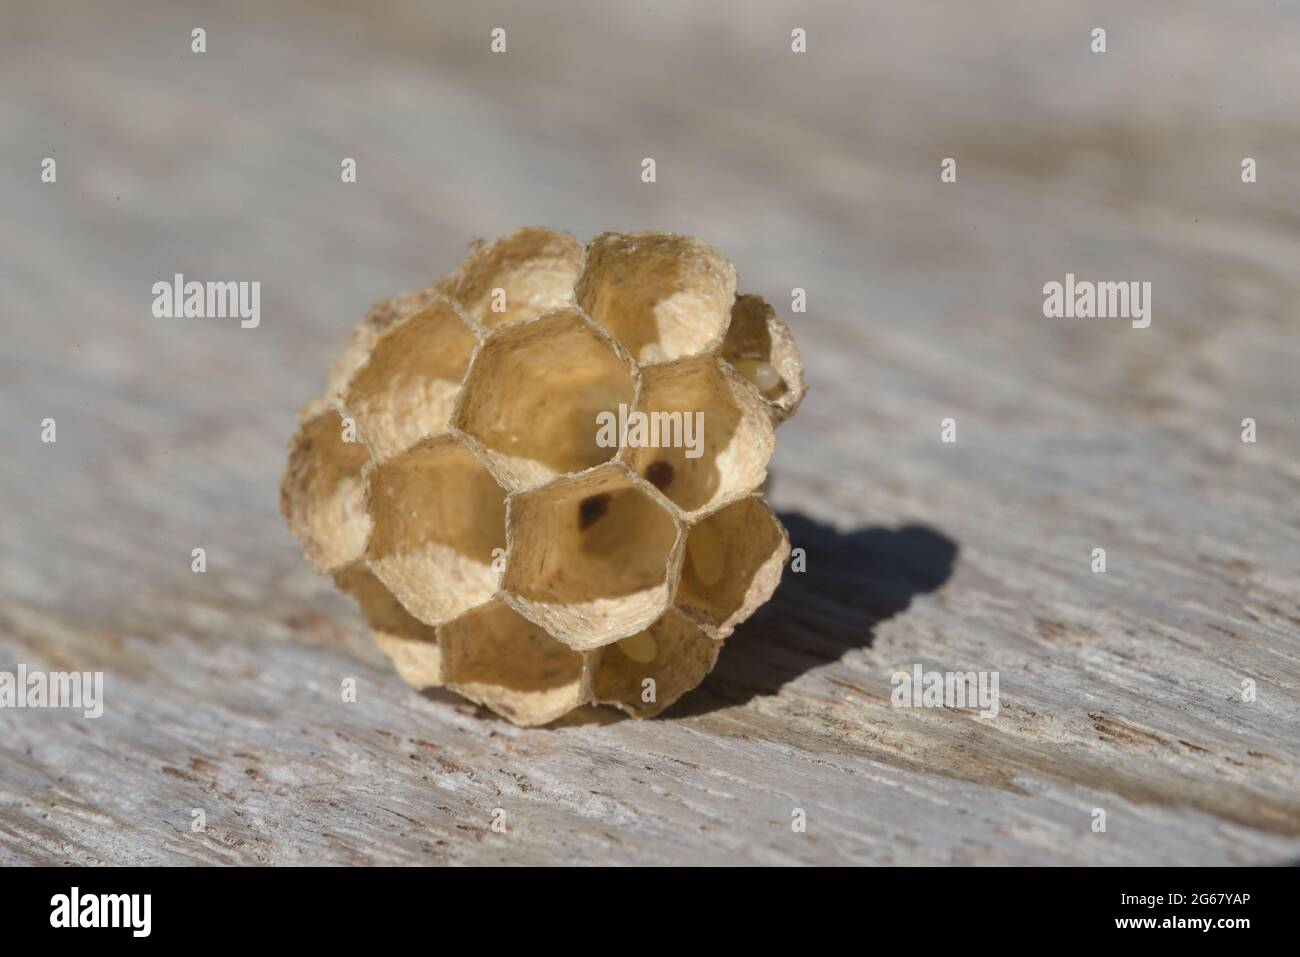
(452, 481)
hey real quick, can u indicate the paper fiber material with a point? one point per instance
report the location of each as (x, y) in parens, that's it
(540, 476)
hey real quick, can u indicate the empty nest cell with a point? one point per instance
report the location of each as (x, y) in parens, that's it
(661, 295)
(409, 643)
(592, 558)
(523, 275)
(498, 658)
(407, 387)
(438, 516)
(378, 317)
(709, 436)
(535, 392)
(322, 495)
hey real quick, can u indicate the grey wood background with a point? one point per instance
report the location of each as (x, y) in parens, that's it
(1120, 691)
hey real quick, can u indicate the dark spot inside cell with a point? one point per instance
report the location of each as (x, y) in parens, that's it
(660, 475)
(590, 509)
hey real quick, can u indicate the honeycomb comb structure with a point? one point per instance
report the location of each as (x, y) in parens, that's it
(454, 481)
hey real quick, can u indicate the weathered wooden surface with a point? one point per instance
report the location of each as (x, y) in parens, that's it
(1120, 691)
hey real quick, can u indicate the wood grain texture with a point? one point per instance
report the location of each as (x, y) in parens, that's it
(1119, 691)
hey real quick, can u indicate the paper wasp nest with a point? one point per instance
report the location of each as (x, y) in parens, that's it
(454, 478)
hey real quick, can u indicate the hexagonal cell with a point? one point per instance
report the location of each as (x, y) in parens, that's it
(498, 658)
(322, 494)
(591, 558)
(438, 514)
(534, 394)
(534, 268)
(706, 435)
(661, 295)
(759, 346)
(408, 385)
(674, 652)
(409, 643)
(379, 317)
(734, 559)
